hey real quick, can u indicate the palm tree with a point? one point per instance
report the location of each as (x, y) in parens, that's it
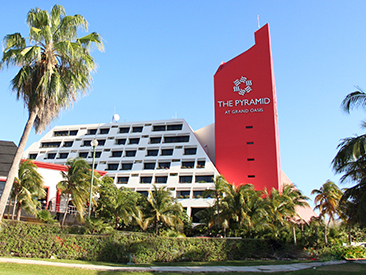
(327, 200)
(27, 188)
(55, 66)
(75, 185)
(162, 209)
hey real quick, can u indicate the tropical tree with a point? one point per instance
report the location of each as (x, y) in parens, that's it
(326, 201)
(118, 206)
(27, 188)
(55, 67)
(75, 186)
(162, 209)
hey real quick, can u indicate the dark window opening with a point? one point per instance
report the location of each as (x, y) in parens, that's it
(122, 180)
(145, 193)
(204, 179)
(249, 127)
(166, 152)
(152, 153)
(101, 142)
(63, 155)
(86, 143)
(61, 133)
(126, 166)
(91, 132)
(251, 176)
(161, 179)
(183, 194)
(174, 127)
(185, 179)
(155, 140)
(149, 165)
(163, 165)
(250, 159)
(121, 141)
(157, 128)
(201, 163)
(176, 139)
(112, 166)
(250, 142)
(194, 211)
(190, 151)
(130, 153)
(133, 141)
(124, 130)
(137, 129)
(32, 156)
(104, 131)
(187, 164)
(83, 155)
(116, 154)
(50, 144)
(73, 132)
(68, 143)
(145, 180)
(51, 155)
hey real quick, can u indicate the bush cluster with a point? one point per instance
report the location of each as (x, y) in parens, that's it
(45, 241)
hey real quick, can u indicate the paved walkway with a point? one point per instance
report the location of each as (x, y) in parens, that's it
(180, 269)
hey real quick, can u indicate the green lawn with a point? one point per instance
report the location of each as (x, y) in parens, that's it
(20, 269)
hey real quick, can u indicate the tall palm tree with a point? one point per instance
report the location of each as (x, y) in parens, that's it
(162, 209)
(326, 201)
(27, 188)
(75, 186)
(55, 67)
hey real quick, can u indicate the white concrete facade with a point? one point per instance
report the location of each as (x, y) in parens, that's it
(137, 155)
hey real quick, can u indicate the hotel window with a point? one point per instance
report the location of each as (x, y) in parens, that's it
(87, 143)
(112, 166)
(190, 151)
(104, 131)
(133, 141)
(137, 129)
(68, 143)
(63, 155)
(101, 142)
(185, 179)
(144, 180)
(158, 128)
(187, 164)
(174, 127)
(166, 152)
(91, 132)
(126, 166)
(174, 139)
(204, 179)
(145, 193)
(73, 132)
(155, 140)
(32, 156)
(124, 130)
(161, 179)
(61, 133)
(149, 165)
(50, 144)
(163, 165)
(121, 141)
(83, 155)
(201, 163)
(152, 152)
(51, 155)
(130, 153)
(97, 155)
(183, 194)
(116, 154)
(122, 180)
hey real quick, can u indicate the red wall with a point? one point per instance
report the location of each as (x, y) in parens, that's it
(240, 104)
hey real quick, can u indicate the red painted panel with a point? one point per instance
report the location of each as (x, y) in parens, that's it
(246, 127)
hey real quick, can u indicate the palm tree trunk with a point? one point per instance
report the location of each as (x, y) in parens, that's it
(15, 202)
(16, 161)
(294, 233)
(66, 208)
(19, 211)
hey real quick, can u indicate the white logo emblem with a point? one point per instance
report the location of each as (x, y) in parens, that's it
(242, 86)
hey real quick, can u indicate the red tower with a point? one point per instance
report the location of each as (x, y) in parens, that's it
(246, 127)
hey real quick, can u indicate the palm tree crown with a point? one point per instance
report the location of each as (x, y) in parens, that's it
(55, 67)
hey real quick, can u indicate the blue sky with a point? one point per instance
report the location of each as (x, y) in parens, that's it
(160, 58)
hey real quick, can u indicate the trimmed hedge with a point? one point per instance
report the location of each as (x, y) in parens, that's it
(44, 241)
